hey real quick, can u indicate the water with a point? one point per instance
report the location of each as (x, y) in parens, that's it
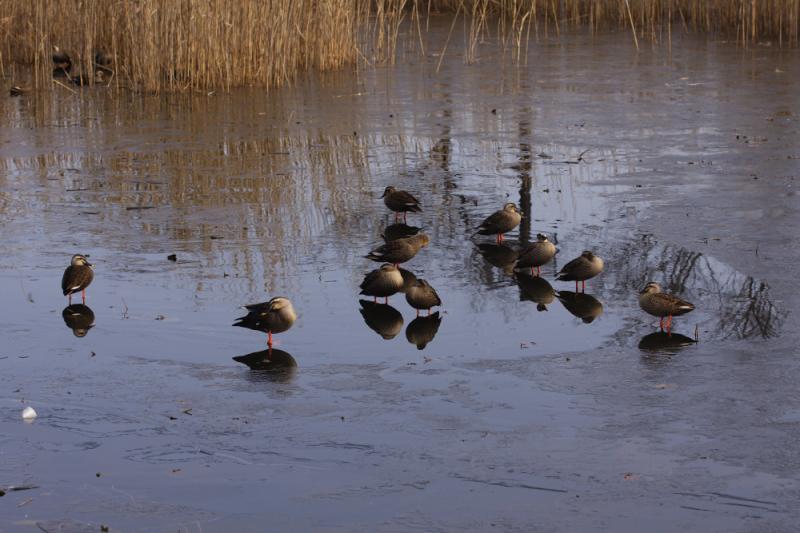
(509, 416)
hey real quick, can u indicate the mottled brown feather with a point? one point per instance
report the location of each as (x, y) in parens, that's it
(76, 278)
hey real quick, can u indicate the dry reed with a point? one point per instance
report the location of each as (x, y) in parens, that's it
(180, 45)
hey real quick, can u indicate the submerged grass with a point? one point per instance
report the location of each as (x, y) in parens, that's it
(180, 45)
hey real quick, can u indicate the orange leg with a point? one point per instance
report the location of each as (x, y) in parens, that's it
(83, 296)
(269, 339)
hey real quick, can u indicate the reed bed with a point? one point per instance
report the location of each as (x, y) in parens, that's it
(745, 21)
(183, 45)
(158, 45)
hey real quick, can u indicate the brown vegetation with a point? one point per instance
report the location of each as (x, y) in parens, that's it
(179, 45)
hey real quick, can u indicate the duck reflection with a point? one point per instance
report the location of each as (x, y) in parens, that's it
(270, 365)
(399, 231)
(383, 319)
(582, 305)
(423, 329)
(499, 255)
(662, 341)
(535, 289)
(79, 318)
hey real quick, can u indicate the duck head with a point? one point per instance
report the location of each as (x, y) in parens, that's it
(79, 260)
(651, 288)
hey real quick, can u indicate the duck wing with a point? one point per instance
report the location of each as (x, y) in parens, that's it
(405, 200)
(492, 222)
(672, 304)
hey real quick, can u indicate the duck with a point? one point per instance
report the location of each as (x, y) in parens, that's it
(423, 329)
(585, 266)
(662, 305)
(103, 61)
(400, 201)
(536, 254)
(382, 282)
(409, 278)
(400, 250)
(275, 316)
(61, 63)
(501, 222)
(16, 90)
(383, 319)
(581, 305)
(77, 276)
(420, 295)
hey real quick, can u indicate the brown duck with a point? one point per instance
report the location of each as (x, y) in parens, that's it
(61, 63)
(583, 267)
(274, 316)
(77, 277)
(501, 222)
(382, 282)
(662, 305)
(409, 278)
(400, 202)
(400, 250)
(536, 254)
(420, 295)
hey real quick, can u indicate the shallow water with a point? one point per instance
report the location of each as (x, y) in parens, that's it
(511, 416)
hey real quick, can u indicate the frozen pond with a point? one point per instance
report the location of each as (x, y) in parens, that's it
(679, 167)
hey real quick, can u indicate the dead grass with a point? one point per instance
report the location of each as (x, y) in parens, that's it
(185, 45)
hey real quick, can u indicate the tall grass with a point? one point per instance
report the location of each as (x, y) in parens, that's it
(180, 45)
(160, 45)
(745, 21)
